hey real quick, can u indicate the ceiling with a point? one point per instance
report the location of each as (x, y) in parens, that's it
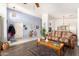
(57, 10)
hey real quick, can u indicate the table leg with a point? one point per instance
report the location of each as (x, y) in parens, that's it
(37, 44)
(39, 48)
(62, 52)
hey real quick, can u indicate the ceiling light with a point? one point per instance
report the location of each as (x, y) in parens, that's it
(25, 3)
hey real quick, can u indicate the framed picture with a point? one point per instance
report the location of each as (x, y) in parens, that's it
(37, 27)
(25, 28)
(24, 25)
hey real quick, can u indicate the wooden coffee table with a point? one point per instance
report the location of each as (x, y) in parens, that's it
(58, 48)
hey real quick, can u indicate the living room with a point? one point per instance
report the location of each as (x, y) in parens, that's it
(40, 25)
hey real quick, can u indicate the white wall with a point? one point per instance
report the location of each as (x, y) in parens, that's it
(22, 9)
(27, 19)
(52, 21)
(70, 22)
(3, 13)
(78, 27)
(45, 21)
(1, 28)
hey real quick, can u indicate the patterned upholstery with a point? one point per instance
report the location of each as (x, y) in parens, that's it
(57, 35)
(50, 36)
(61, 36)
(53, 33)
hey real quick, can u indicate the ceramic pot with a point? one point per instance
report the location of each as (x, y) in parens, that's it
(5, 46)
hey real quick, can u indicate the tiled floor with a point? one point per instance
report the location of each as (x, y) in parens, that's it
(30, 49)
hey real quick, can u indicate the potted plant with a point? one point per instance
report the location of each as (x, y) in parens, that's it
(43, 32)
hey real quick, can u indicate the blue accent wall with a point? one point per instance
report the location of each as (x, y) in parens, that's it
(28, 20)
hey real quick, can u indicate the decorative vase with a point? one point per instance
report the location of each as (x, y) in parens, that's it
(46, 40)
(38, 39)
(5, 46)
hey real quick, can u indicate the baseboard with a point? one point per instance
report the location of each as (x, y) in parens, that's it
(20, 42)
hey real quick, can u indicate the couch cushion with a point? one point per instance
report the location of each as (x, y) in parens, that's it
(53, 33)
(55, 38)
(64, 33)
(58, 33)
(69, 34)
(49, 36)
